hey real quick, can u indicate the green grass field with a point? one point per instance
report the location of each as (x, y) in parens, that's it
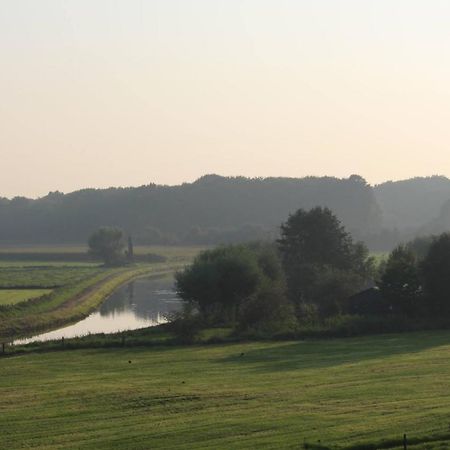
(44, 276)
(237, 396)
(36, 263)
(14, 296)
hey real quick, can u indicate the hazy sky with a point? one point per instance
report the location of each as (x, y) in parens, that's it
(96, 93)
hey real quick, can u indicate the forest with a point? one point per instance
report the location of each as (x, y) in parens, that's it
(219, 210)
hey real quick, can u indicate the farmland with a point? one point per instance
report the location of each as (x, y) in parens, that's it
(43, 276)
(13, 296)
(340, 392)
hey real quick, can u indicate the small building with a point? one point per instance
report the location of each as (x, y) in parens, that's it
(368, 301)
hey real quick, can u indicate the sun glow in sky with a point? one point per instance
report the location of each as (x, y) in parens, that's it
(97, 93)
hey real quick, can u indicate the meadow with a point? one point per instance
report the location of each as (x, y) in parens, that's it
(44, 276)
(13, 296)
(169, 251)
(341, 393)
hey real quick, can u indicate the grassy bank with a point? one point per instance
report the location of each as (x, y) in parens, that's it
(336, 393)
(77, 288)
(71, 302)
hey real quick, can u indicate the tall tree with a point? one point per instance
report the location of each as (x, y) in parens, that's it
(436, 275)
(130, 250)
(318, 252)
(107, 244)
(400, 282)
(219, 280)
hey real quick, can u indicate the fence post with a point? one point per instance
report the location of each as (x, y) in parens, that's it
(405, 442)
(62, 341)
(123, 340)
(3, 347)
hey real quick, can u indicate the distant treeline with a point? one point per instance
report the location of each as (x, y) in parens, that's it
(217, 209)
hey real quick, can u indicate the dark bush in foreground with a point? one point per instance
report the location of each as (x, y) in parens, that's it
(268, 312)
(186, 327)
(237, 285)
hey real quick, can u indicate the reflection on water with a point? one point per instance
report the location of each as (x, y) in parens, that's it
(141, 303)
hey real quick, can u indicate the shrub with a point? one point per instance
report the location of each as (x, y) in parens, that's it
(186, 326)
(268, 312)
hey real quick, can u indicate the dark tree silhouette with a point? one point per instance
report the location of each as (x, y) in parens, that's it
(219, 280)
(400, 282)
(107, 244)
(130, 250)
(436, 275)
(323, 265)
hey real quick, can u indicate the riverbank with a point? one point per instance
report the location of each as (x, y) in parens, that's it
(73, 302)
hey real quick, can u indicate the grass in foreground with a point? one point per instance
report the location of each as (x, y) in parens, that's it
(340, 392)
(14, 296)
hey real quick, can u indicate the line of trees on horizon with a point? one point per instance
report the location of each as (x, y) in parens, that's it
(221, 210)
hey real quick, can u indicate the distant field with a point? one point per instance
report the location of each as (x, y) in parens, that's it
(13, 296)
(43, 248)
(277, 395)
(37, 263)
(43, 276)
(175, 251)
(40, 273)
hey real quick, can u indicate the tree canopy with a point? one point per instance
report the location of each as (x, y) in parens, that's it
(436, 275)
(241, 284)
(219, 279)
(107, 244)
(323, 265)
(400, 282)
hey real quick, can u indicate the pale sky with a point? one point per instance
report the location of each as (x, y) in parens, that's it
(97, 93)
